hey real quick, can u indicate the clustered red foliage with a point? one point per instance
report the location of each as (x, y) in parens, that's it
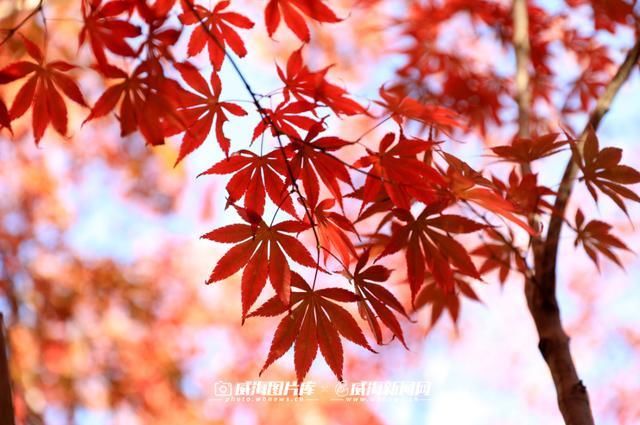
(413, 193)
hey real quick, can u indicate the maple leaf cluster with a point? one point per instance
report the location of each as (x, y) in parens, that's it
(423, 202)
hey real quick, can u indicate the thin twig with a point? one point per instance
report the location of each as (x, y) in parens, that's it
(528, 273)
(265, 117)
(11, 32)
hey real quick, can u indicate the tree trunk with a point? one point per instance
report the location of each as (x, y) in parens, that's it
(540, 284)
(553, 344)
(541, 293)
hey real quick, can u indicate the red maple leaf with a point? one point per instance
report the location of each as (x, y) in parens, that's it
(260, 251)
(282, 120)
(601, 169)
(253, 176)
(525, 150)
(310, 159)
(201, 110)
(398, 171)
(159, 39)
(331, 232)
(524, 193)
(595, 237)
(467, 184)
(148, 101)
(41, 91)
(429, 245)
(434, 296)
(315, 321)
(292, 11)
(219, 32)
(105, 31)
(377, 302)
(402, 107)
(499, 255)
(312, 86)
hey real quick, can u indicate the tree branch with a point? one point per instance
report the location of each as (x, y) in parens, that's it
(6, 401)
(266, 118)
(522, 50)
(573, 398)
(524, 98)
(547, 266)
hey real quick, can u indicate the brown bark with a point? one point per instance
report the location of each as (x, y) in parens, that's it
(573, 399)
(523, 62)
(7, 416)
(547, 269)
